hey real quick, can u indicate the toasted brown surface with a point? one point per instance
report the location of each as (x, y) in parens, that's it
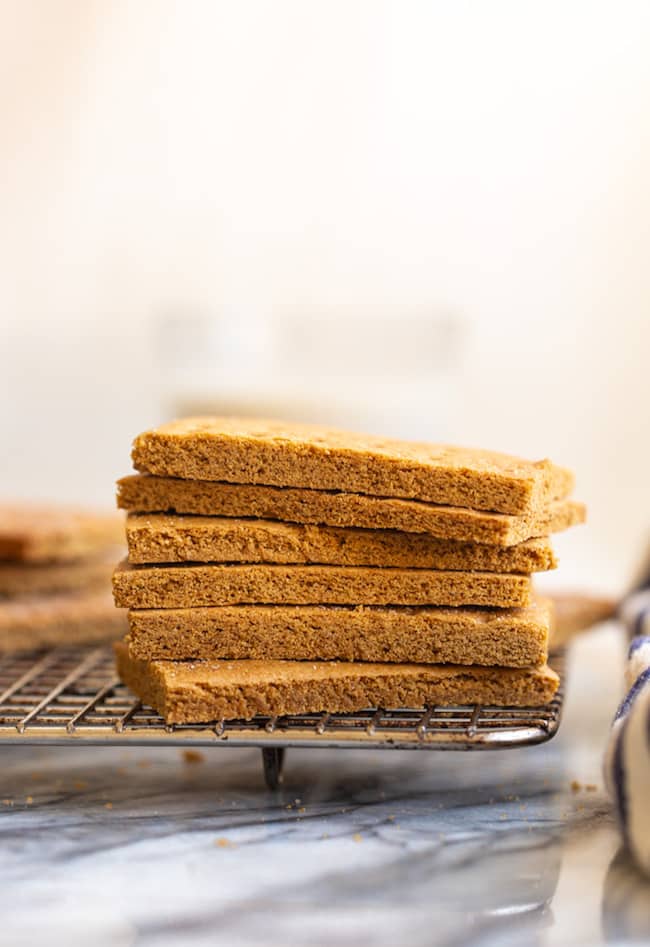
(149, 494)
(189, 585)
(162, 537)
(30, 533)
(251, 451)
(515, 637)
(197, 692)
(19, 579)
(67, 618)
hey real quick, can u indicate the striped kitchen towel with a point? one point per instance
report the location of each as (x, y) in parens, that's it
(627, 758)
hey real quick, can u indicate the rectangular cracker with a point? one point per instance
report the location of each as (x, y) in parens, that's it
(575, 613)
(20, 579)
(514, 637)
(67, 618)
(154, 538)
(150, 494)
(245, 450)
(190, 585)
(30, 533)
(198, 692)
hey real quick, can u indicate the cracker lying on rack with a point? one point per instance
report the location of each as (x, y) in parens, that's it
(53, 533)
(67, 618)
(195, 692)
(188, 585)
(161, 538)
(55, 576)
(143, 493)
(243, 450)
(505, 637)
(20, 579)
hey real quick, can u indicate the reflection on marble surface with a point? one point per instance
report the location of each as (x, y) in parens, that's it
(146, 847)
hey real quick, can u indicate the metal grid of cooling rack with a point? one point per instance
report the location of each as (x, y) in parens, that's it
(73, 694)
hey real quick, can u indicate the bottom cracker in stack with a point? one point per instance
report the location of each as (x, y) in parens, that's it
(337, 601)
(194, 692)
(55, 568)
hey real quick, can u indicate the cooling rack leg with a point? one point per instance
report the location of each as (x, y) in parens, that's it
(273, 759)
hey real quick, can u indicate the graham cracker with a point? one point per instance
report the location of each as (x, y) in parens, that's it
(150, 494)
(578, 612)
(198, 692)
(20, 579)
(53, 533)
(66, 618)
(252, 451)
(156, 538)
(190, 585)
(515, 637)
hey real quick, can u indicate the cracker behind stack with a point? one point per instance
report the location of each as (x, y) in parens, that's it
(291, 569)
(55, 568)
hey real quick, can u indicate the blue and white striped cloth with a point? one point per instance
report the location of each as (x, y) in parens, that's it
(627, 758)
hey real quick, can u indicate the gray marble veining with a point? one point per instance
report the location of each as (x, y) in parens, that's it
(143, 847)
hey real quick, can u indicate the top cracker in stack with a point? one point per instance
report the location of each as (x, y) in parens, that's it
(259, 542)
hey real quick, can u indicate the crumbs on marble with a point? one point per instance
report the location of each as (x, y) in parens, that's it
(223, 843)
(577, 786)
(357, 837)
(192, 757)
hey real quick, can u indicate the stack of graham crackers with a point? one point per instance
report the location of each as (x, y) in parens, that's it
(55, 569)
(279, 568)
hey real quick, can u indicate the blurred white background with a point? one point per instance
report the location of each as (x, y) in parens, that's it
(469, 177)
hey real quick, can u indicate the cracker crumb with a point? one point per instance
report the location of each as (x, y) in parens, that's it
(591, 787)
(29, 800)
(575, 785)
(108, 805)
(357, 837)
(223, 843)
(192, 756)
(80, 784)
(302, 809)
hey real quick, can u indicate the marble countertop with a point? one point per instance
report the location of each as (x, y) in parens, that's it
(145, 847)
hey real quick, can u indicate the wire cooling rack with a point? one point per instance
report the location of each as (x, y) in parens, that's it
(72, 695)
